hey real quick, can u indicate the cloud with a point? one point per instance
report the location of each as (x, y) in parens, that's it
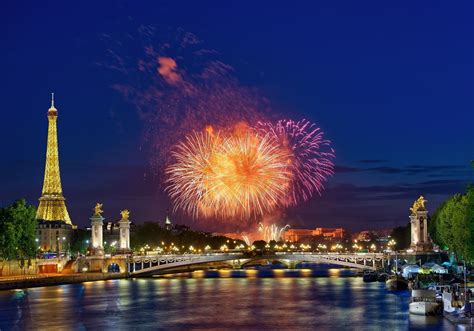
(167, 70)
(339, 169)
(428, 170)
(372, 161)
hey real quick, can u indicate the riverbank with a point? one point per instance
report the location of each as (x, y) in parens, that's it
(21, 282)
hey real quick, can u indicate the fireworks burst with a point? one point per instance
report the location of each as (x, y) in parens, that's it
(238, 175)
(310, 157)
(179, 85)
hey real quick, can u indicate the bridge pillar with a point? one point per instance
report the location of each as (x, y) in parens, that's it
(97, 222)
(124, 232)
(292, 264)
(236, 264)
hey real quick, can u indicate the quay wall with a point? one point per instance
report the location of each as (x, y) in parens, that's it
(22, 282)
(12, 268)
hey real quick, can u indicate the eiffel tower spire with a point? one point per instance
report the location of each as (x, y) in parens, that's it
(52, 206)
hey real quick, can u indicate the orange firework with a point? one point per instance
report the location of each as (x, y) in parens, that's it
(239, 175)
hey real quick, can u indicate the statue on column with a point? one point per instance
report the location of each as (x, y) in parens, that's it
(420, 240)
(124, 235)
(97, 223)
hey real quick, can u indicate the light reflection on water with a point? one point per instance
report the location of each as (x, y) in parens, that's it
(246, 299)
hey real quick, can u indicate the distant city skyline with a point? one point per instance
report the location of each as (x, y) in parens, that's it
(395, 100)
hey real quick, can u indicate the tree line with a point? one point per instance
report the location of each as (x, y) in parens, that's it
(17, 233)
(452, 225)
(153, 235)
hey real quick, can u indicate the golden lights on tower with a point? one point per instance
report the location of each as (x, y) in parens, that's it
(52, 206)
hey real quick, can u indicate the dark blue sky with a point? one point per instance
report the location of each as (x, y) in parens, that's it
(390, 83)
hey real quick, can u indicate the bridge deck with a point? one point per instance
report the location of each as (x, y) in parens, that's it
(143, 265)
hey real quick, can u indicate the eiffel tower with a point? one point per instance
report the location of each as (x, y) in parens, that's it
(52, 206)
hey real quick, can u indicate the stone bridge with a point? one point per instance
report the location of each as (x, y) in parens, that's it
(148, 265)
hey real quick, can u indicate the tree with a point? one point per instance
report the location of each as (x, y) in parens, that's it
(8, 238)
(80, 241)
(17, 232)
(153, 235)
(453, 225)
(402, 235)
(260, 244)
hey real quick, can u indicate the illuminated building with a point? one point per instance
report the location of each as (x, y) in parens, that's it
(295, 235)
(168, 224)
(364, 236)
(330, 232)
(55, 228)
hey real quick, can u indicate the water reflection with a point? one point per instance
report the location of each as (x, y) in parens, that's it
(247, 299)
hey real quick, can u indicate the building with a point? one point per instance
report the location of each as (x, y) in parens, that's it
(364, 236)
(53, 236)
(295, 235)
(330, 232)
(168, 224)
(111, 232)
(55, 229)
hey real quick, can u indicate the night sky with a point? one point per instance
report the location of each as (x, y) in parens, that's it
(390, 83)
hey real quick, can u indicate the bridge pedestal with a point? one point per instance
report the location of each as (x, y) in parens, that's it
(420, 241)
(101, 264)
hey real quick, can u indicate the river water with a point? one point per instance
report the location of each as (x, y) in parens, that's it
(303, 299)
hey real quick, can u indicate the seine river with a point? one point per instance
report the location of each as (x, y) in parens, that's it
(244, 299)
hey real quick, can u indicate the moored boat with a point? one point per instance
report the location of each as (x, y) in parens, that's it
(382, 277)
(423, 302)
(456, 309)
(369, 276)
(396, 283)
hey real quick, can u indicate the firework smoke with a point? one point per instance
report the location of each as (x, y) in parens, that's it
(178, 86)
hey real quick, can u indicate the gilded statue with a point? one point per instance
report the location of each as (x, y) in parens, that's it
(125, 214)
(419, 204)
(98, 209)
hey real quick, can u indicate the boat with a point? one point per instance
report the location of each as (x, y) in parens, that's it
(396, 283)
(369, 276)
(423, 302)
(456, 309)
(382, 277)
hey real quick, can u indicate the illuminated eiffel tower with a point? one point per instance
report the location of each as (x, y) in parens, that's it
(52, 206)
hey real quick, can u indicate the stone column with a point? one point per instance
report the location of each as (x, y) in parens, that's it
(97, 222)
(420, 240)
(124, 228)
(415, 234)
